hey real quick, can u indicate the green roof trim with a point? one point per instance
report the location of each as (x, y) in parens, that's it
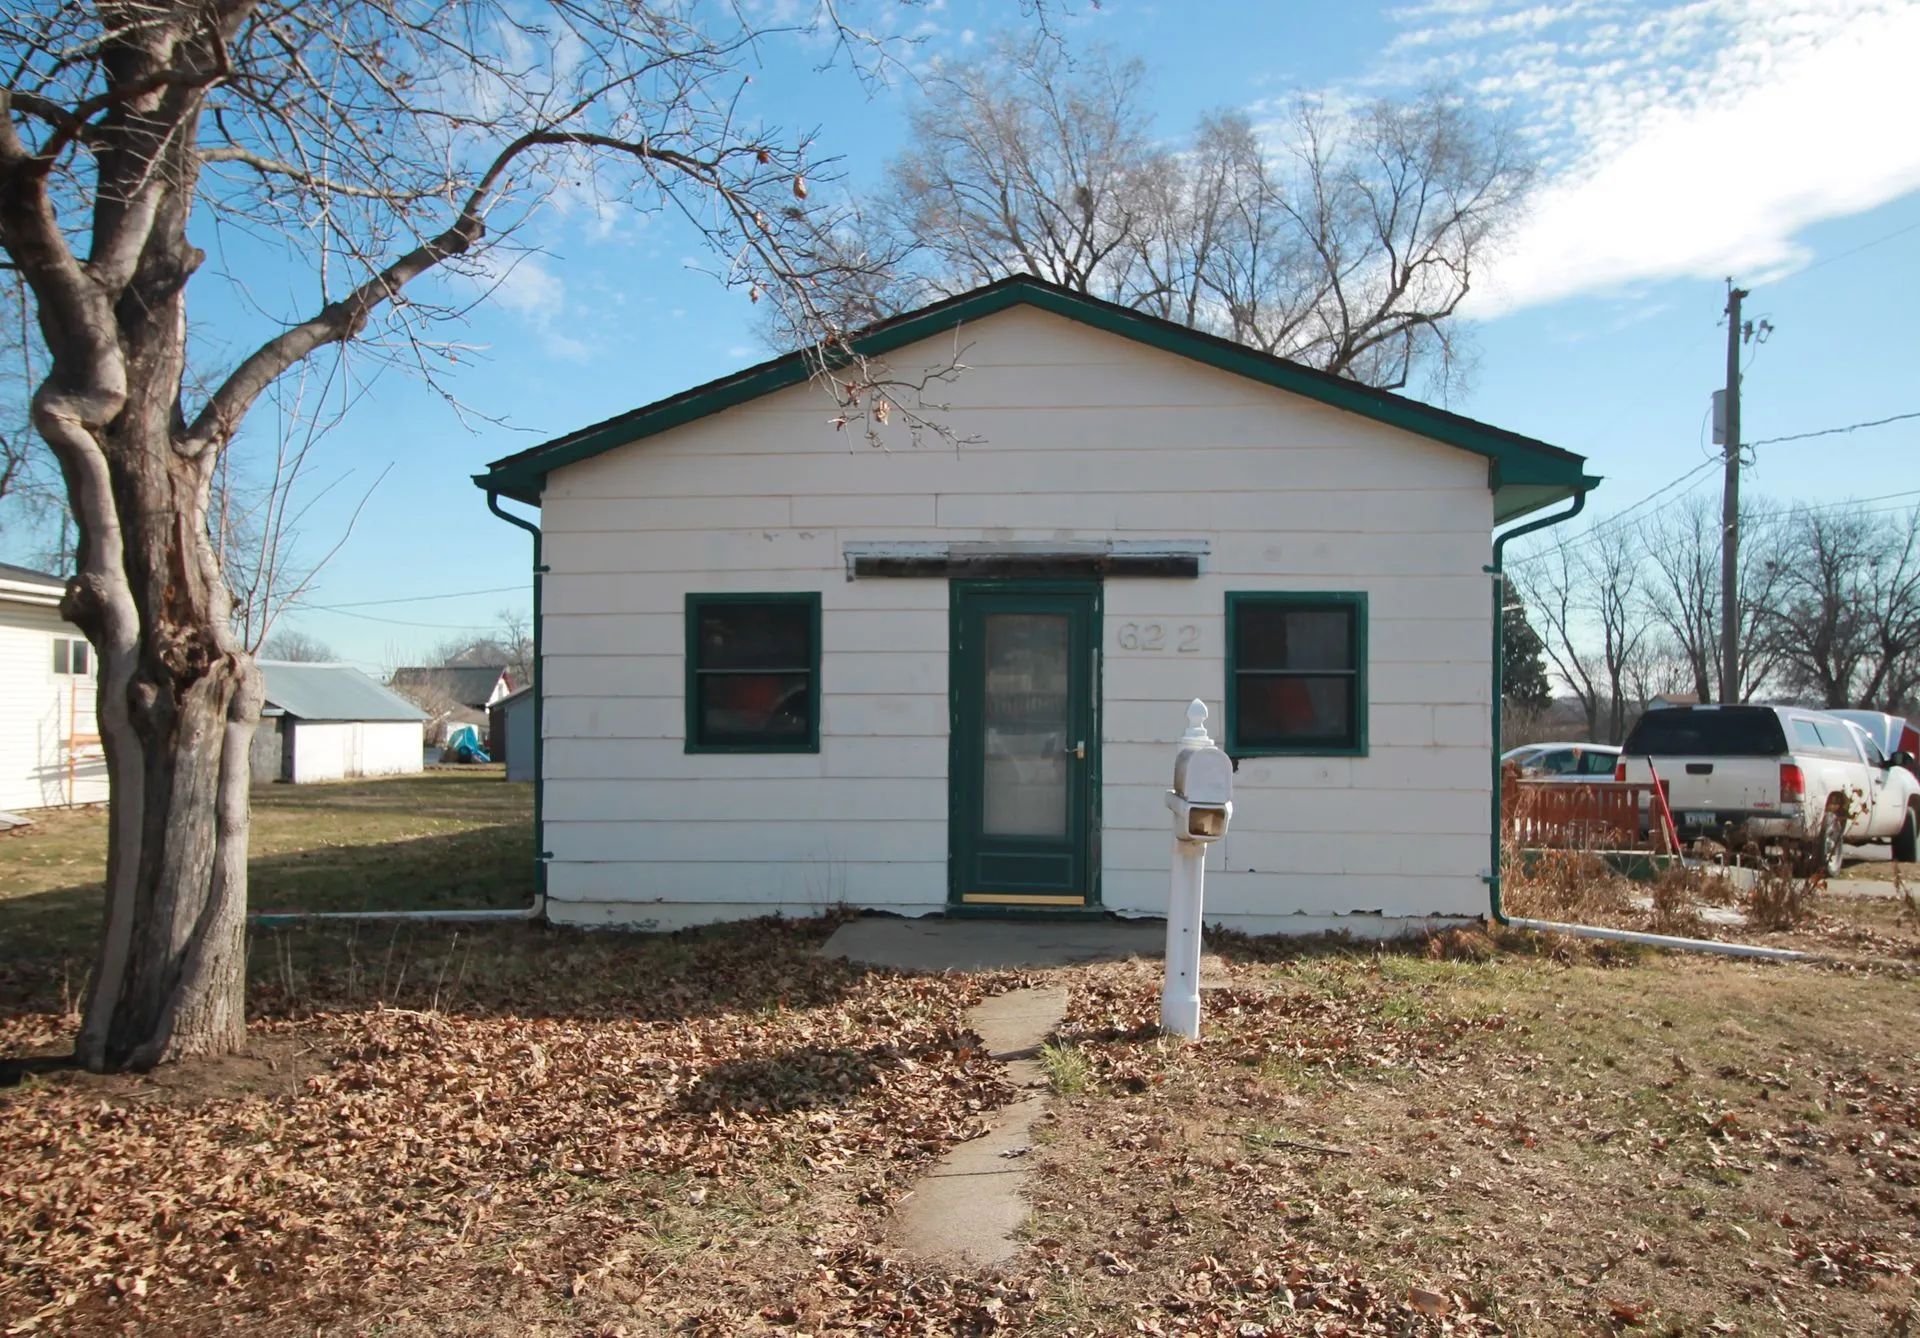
(1524, 473)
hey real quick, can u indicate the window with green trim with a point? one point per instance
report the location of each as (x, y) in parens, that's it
(753, 673)
(1296, 674)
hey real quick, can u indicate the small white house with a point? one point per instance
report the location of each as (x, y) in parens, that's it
(782, 669)
(324, 722)
(50, 750)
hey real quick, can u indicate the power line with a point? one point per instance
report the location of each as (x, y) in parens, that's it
(1601, 528)
(1854, 251)
(416, 599)
(392, 622)
(1836, 431)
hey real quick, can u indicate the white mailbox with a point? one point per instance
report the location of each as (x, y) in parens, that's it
(1202, 793)
(1202, 803)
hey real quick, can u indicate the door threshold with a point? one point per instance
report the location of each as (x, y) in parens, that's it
(1022, 899)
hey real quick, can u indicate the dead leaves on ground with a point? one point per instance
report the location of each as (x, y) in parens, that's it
(431, 1140)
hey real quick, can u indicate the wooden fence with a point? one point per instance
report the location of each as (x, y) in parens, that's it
(1586, 815)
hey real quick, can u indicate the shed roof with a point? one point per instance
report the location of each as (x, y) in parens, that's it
(332, 692)
(1524, 473)
(469, 684)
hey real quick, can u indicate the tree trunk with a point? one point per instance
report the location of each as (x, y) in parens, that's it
(170, 979)
(178, 702)
(178, 696)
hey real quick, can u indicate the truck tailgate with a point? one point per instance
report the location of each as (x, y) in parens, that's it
(1713, 784)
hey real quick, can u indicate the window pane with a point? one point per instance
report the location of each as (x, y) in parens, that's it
(755, 708)
(1598, 764)
(1835, 736)
(1726, 731)
(80, 649)
(1558, 761)
(756, 636)
(61, 648)
(1271, 636)
(1024, 776)
(1277, 711)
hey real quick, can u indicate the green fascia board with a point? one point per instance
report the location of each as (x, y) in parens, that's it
(1515, 460)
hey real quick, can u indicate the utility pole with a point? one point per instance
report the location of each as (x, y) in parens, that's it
(1730, 511)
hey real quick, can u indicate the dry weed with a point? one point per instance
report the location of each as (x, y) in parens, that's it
(1780, 899)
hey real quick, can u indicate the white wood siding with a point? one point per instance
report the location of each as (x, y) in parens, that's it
(39, 711)
(1080, 435)
(326, 750)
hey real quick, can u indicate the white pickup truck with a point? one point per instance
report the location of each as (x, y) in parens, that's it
(1806, 781)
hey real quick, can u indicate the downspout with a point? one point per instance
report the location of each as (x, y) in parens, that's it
(1497, 569)
(541, 855)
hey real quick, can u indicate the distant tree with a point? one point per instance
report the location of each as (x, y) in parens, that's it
(1344, 239)
(1846, 628)
(1523, 667)
(1683, 591)
(288, 644)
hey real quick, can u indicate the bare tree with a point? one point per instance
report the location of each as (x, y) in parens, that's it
(1683, 547)
(1848, 616)
(1347, 240)
(297, 646)
(1025, 163)
(388, 140)
(1552, 587)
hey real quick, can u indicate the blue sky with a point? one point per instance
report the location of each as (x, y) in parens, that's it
(1682, 143)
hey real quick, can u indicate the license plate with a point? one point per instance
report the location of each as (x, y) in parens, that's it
(1699, 819)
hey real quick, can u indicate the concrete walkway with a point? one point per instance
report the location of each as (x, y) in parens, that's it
(967, 1211)
(993, 945)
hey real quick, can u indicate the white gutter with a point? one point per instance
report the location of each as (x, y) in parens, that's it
(272, 919)
(1666, 941)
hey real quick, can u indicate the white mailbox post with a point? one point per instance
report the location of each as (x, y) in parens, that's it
(1202, 804)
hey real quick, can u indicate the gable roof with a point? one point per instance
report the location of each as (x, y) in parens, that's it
(1524, 473)
(331, 692)
(469, 684)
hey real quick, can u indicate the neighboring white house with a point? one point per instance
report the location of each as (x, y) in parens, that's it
(324, 722)
(783, 669)
(50, 750)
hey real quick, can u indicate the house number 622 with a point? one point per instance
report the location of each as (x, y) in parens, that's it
(1153, 636)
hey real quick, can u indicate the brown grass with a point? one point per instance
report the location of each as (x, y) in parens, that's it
(519, 1130)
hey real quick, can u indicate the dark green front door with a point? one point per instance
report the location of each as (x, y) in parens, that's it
(1025, 754)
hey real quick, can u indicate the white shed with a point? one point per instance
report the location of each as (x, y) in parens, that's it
(782, 669)
(324, 722)
(50, 751)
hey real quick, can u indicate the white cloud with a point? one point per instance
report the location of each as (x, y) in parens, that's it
(532, 291)
(1690, 140)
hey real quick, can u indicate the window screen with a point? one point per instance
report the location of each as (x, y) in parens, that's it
(753, 670)
(1296, 673)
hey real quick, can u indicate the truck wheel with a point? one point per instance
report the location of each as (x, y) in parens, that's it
(1906, 841)
(1822, 854)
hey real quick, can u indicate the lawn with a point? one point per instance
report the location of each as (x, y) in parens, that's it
(439, 839)
(512, 1129)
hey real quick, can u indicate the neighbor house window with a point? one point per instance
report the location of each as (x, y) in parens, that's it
(753, 673)
(1296, 674)
(71, 656)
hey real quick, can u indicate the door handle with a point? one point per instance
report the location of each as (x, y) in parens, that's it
(1079, 750)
